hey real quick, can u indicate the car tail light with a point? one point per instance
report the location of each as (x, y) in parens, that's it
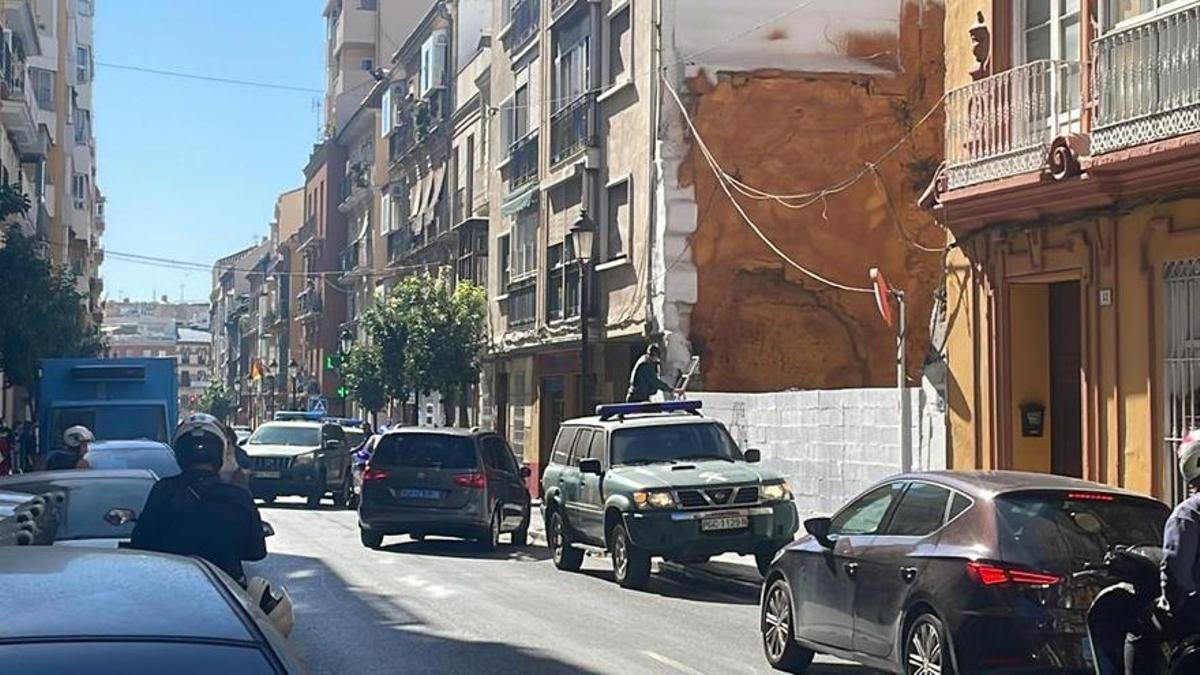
(476, 480)
(995, 575)
(374, 474)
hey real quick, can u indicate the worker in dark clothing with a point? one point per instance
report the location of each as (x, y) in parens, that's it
(1128, 640)
(196, 513)
(644, 380)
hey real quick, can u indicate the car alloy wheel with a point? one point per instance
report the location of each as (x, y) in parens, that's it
(566, 557)
(556, 539)
(777, 623)
(620, 556)
(925, 652)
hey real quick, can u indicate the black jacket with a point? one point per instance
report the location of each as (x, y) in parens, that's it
(1181, 557)
(195, 513)
(644, 381)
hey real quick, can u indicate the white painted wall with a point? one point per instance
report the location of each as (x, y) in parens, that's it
(832, 445)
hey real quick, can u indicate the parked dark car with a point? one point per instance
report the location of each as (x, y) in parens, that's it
(149, 455)
(120, 612)
(82, 517)
(309, 459)
(948, 572)
(448, 482)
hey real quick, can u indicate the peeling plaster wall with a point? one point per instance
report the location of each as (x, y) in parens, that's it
(757, 324)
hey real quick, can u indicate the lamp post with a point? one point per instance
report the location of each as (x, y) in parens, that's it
(346, 344)
(294, 378)
(583, 238)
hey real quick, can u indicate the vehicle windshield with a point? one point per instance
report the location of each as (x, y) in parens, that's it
(673, 443)
(1058, 530)
(88, 500)
(159, 460)
(425, 451)
(270, 434)
(113, 422)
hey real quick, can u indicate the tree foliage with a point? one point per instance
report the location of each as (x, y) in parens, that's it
(46, 316)
(217, 401)
(364, 375)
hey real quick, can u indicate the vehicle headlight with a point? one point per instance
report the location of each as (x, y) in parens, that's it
(653, 499)
(776, 492)
(305, 459)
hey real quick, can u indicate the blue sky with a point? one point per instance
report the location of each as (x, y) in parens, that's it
(191, 169)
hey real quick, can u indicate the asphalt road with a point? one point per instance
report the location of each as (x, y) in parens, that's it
(440, 606)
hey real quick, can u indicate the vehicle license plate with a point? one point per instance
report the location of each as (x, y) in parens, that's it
(410, 493)
(724, 523)
(266, 474)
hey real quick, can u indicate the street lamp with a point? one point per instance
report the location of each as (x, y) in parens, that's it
(347, 343)
(583, 238)
(294, 377)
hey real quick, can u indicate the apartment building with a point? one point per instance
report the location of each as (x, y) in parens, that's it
(194, 352)
(1071, 152)
(281, 344)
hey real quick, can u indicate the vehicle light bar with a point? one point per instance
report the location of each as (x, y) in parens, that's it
(1090, 496)
(611, 410)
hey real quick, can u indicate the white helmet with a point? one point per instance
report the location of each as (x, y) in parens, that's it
(278, 608)
(76, 436)
(199, 439)
(1189, 456)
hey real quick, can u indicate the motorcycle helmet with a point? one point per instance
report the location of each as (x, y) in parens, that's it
(76, 436)
(1189, 457)
(199, 439)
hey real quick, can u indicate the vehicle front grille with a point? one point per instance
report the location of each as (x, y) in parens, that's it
(747, 495)
(270, 463)
(707, 498)
(692, 499)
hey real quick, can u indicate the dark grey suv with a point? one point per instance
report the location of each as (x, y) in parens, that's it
(448, 482)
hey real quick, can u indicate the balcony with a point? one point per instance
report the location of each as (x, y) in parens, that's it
(308, 304)
(558, 7)
(354, 26)
(396, 247)
(308, 231)
(523, 161)
(17, 104)
(350, 257)
(524, 21)
(571, 129)
(1147, 81)
(1003, 125)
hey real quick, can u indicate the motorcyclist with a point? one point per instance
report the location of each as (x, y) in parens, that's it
(1127, 639)
(76, 441)
(196, 513)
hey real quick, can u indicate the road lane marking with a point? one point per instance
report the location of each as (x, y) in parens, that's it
(672, 663)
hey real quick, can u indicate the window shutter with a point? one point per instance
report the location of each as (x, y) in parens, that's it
(385, 117)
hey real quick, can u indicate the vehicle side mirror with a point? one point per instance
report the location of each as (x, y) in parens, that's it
(819, 529)
(268, 531)
(333, 444)
(525, 472)
(753, 455)
(119, 517)
(591, 466)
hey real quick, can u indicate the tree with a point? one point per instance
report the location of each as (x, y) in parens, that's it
(217, 401)
(364, 373)
(389, 334)
(46, 314)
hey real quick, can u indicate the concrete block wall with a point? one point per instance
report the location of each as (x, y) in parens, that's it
(832, 445)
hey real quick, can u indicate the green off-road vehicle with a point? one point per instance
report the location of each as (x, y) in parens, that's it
(659, 479)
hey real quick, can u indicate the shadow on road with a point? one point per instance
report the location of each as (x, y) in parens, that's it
(459, 548)
(345, 628)
(669, 587)
(297, 506)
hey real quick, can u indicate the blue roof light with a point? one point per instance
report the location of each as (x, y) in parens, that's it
(609, 411)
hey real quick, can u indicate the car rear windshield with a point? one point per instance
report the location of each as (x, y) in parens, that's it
(308, 437)
(673, 442)
(88, 500)
(426, 451)
(159, 460)
(1061, 530)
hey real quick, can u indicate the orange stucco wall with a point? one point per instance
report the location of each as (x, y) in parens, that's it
(759, 325)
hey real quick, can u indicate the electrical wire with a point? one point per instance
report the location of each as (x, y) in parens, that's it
(719, 174)
(210, 78)
(895, 213)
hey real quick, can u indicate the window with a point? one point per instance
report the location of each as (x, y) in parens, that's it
(43, 87)
(367, 65)
(572, 74)
(433, 62)
(620, 46)
(516, 118)
(371, 5)
(617, 221)
(83, 64)
(1120, 11)
(563, 443)
(865, 515)
(1050, 30)
(505, 273)
(185, 378)
(960, 504)
(698, 441)
(554, 282)
(79, 191)
(920, 511)
(582, 446)
(83, 126)
(524, 254)
(426, 451)
(597, 447)
(86, 7)
(494, 454)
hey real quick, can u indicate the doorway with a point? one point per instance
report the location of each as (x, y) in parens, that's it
(1066, 363)
(551, 400)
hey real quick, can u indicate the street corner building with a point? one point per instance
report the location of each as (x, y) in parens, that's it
(605, 124)
(1072, 141)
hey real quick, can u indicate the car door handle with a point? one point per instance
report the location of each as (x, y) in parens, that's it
(851, 569)
(908, 574)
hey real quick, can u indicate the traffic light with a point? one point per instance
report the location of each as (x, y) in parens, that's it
(333, 361)
(343, 392)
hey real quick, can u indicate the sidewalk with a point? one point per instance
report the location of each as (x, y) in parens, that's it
(738, 572)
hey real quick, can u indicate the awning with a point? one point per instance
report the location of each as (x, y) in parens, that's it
(519, 200)
(419, 197)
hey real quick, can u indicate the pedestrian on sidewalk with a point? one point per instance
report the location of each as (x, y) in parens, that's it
(644, 380)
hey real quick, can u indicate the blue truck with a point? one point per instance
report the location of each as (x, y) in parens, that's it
(118, 399)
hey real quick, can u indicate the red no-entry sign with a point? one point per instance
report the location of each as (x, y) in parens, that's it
(883, 295)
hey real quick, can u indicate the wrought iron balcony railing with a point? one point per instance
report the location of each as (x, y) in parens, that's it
(525, 19)
(1004, 125)
(523, 161)
(1146, 81)
(571, 128)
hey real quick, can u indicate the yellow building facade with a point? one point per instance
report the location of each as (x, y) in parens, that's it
(1073, 281)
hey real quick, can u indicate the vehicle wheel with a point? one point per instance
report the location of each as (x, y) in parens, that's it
(631, 565)
(268, 499)
(779, 642)
(566, 557)
(521, 537)
(314, 500)
(341, 497)
(491, 538)
(926, 651)
(416, 536)
(370, 539)
(763, 559)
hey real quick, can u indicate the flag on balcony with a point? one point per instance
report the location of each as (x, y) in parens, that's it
(256, 370)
